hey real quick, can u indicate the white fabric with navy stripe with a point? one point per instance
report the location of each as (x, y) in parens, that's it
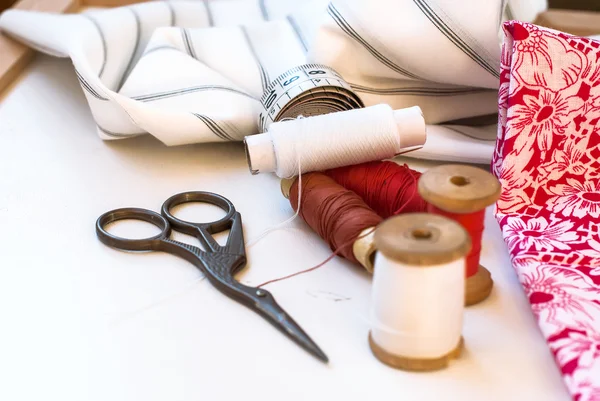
(193, 71)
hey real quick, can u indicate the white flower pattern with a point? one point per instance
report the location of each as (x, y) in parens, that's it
(576, 198)
(539, 234)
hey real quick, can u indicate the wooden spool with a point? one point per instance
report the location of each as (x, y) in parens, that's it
(414, 248)
(461, 189)
(363, 248)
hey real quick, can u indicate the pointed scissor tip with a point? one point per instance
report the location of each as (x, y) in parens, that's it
(309, 345)
(321, 356)
(284, 322)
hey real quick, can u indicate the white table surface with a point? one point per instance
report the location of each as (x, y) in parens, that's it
(80, 321)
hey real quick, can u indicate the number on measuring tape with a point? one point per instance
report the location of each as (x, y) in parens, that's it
(289, 81)
(271, 99)
(290, 94)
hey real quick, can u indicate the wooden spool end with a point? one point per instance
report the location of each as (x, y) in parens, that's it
(458, 188)
(286, 186)
(478, 287)
(422, 239)
(364, 249)
(415, 365)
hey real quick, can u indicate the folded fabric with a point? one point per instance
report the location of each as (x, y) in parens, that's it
(547, 159)
(193, 71)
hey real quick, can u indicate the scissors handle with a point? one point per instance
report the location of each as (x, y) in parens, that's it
(129, 244)
(203, 231)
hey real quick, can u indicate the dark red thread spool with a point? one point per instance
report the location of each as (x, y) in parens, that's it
(384, 186)
(338, 215)
(462, 193)
(387, 187)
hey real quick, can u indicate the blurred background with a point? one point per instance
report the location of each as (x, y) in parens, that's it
(578, 17)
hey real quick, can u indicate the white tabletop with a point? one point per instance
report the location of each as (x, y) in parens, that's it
(80, 321)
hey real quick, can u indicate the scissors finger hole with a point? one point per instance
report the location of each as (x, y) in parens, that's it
(131, 229)
(198, 212)
(205, 203)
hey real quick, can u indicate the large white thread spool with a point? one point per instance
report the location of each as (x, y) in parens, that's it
(334, 140)
(418, 291)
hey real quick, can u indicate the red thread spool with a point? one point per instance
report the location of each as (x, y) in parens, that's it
(462, 193)
(338, 215)
(387, 187)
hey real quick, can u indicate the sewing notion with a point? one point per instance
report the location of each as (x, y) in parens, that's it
(344, 205)
(418, 291)
(462, 193)
(306, 90)
(334, 140)
(218, 263)
(312, 120)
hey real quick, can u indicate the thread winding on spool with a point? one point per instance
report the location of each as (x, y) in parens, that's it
(338, 215)
(334, 140)
(418, 291)
(385, 187)
(462, 193)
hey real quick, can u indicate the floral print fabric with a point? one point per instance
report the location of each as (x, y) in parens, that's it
(547, 158)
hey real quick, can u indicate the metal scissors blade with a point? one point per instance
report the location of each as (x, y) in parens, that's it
(269, 308)
(218, 263)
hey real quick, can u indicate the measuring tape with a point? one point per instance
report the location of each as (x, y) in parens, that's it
(306, 90)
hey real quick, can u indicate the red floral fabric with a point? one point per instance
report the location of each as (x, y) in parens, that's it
(547, 158)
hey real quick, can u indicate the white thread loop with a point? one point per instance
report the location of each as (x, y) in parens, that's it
(253, 241)
(336, 139)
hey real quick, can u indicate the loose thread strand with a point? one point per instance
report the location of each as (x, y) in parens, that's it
(329, 258)
(249, 244)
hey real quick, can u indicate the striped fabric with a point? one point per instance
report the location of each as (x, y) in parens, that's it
(193, 71)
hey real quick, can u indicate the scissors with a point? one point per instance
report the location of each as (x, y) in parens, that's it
(218, 263)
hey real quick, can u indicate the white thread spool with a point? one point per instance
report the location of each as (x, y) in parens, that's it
(334, 140)
(418, 291)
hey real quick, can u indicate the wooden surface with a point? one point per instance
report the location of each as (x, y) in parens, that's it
(589, 5)
(14, 55)
(4, 4)
(110, 3)
(581, 23)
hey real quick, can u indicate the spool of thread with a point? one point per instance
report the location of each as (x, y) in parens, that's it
(418, 291)
(337, 139)
(338, 215)
(387, 187)
(462, 193)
